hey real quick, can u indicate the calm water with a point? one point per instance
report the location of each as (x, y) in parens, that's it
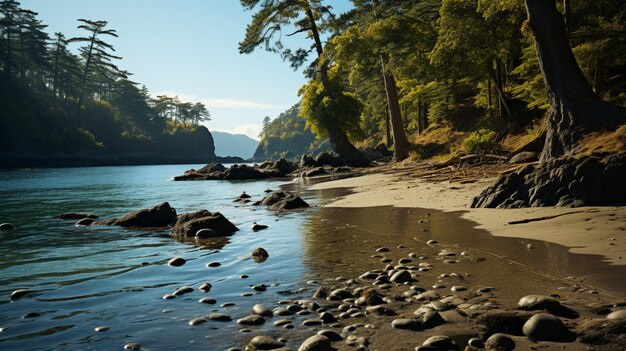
(92, 276)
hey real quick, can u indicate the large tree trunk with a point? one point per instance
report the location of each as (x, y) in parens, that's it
(575, 108)
(400, 143)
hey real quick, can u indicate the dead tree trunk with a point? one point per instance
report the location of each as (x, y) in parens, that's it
(400, 143)
(575, 108)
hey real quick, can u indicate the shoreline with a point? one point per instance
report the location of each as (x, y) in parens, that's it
(587, 230)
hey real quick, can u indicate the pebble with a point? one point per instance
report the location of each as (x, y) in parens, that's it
(458, 288)
(262, 310)
(133, 346)
(256, 227)
(244, 276)
(282, 322)
(197, 321)
(311, 322)
(619, 314)
(538, 302)
(259, 255)
(251, 320)
(330, 334)
(261, 342)
(220, 317)
(476, 343)
(545, 327)
(101, 328)
(405, 323)
(213, 264)
(19, 293)
(382, 249)
(327, 318)
(339, 294)
(7, 226)
(401, 276)
(84, 222)
(282, 311)
(441, 342)
(227, 304)
(316, 343)
(208, 300)
(499, 342)
(432, 242)
(259, 287)
(205, 287)
(182, 290)
(405, 260)
(169, 296)
(177, 262)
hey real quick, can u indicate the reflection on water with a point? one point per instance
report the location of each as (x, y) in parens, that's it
(83, 277)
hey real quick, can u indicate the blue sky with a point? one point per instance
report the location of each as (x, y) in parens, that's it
(189, 48)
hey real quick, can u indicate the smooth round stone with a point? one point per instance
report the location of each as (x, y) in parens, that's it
(311, 322)
(213, 264)
(169, 296)
(327, 318)
(432, 242)
(316, 343)
(357, 315)
(282, 311)
(220, 317)
(182, 290)
(405, 260)
(619, 314)
(282, 322)
(412, 255)
(458, 288)
(382, 249)
(19, 293)
(439, 306)
(538, 302)
(288, 326)
(261, 342)
(294, 308)
(101, 328)
(251, 320)
(176, 262)
(197, 321)
(304, 313)
(405, 323)
(401, 276)
(244, 276)
(259, 287)
(7, 226)
(545, 327)
(339, 294)
(440, 341)
(227, 304)
(450, 261)
(476, 343)
(85, 222)
(259, 255)
(500, 342)
(446, 253)
(208, 300)
(368, 276)
(205, 287)
(261, 310)
(133, 346)
(32, 315)
(256, 227)
(245, 330)
(330, 334)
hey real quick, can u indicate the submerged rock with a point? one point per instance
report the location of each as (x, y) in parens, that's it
(76, 216)
(158, 216)
(283, 200)
(176, 262)
(84, 222)
(19, 293)
(189, 224)
(259, 255)
(7, 226)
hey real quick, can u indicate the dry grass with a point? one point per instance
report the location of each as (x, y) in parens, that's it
(513, 142)
(604, 142)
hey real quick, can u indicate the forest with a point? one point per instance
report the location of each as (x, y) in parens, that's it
(81, 107)
(438, 77)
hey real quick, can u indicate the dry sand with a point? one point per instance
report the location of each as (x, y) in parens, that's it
(590, 230)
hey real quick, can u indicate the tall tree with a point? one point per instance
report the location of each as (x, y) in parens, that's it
(303, 16)
(96, 51)
(575, 107)
(10, 26)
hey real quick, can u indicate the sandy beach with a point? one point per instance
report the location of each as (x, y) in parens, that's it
(586, 230)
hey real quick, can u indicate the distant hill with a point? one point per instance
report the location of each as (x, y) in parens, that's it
(227, 144)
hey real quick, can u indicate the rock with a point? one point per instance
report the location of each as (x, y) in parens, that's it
(101, 328)
(401, 276)
(76, 216)
(429, 318)
(251, 320)
(405, 323)
(168, 296)
(262, 310)
(499, 342)
(133, 346)
(316, 343)
(189, 224)
(619, 314)
(182, 290)
(208, 300)
(158, 216)
(259, 255)
(329, 159)
(176, 262)
(197, 321)
(220, 317)
(311, 322)
(441, 342)
(256, 227)
(84, 222)
(339, 294)
(320, 293)
(327, 318)
(205, 287)
(507, 322)
(7, 226)
(314, 172)
(261, 342)
(476, 343)
(208, 233)
(383, 150)
(307, 161)
(283, 200)
(524, 157)
(19, 293)
(538, 302)
(546, 327)
(213, 264)
(330, 334)
(244, 196)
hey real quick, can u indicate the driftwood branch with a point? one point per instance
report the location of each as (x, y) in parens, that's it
(537, 219)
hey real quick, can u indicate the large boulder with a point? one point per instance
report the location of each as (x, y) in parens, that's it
(158, 216)
(189, 224)
(307, 161)
(329, 159)
(283, 200)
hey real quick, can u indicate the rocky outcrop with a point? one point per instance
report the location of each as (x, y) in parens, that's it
(158, 216)
(268, 169)
(77, 216)
(188, 225)
(282, 200)
(573, 182)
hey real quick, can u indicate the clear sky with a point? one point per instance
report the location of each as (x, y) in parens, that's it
(189, 48)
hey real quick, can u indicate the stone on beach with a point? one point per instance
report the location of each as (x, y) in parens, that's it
(261, 342)
(500, 342)
(251, 320)
(262, 310)
(189, 224)
(160, 215)
(220, 317)
(283, 200)
(176, 262)
(546, 327)
(316, 343)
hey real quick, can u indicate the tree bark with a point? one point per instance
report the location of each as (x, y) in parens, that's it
(388, 139)
(575, 108)
(400, 143)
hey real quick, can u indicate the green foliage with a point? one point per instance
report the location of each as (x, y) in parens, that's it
(480, 141)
